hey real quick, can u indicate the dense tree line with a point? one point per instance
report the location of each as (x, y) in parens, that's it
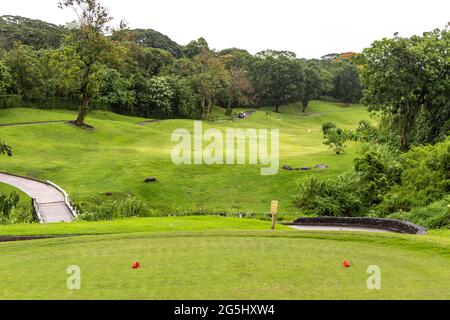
(142, 72)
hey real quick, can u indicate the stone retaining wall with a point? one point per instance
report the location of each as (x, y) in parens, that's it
(389, 224)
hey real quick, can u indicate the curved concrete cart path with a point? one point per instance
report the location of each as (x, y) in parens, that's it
(338, 228)
(50, 201)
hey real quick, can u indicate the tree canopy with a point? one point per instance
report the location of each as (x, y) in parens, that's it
(404, 77)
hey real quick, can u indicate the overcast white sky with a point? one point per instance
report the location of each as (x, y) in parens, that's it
(309, 28)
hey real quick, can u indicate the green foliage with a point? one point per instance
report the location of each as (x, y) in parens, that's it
(210, 78)
(425, 178)
(347, 86)
(330, 197)
(378, 169)
(20, 214)
(35, 33)
(195, 48)
(385, 182)
(152, 61)
(5, 149)
(8, 203)
(23, 62)
(90, 44)
(312, 84)
(184, 100)
(61, 72)
(433, 216)
(155, 98)
(5, 77)
(114, 90)
(403, 76)
(277, 78)
(433, 122)
(366, 132)
(166, 97)
(336, 139)
(113, 209)
(149, 38)
(327, 126)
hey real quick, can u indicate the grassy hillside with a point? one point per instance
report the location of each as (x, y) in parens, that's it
(220, 258)
(119, 154)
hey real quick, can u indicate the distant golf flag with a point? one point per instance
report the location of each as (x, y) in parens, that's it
(274, 210)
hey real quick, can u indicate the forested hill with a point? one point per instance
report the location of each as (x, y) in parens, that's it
(153, 39)
(36, 33)
(43, 35)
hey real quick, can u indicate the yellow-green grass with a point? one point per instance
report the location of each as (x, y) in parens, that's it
(213, 258)
(118, 154)
(163, 224)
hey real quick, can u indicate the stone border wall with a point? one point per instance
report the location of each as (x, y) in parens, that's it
(378, 223)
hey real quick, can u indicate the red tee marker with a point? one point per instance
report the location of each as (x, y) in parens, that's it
(136, 265)
(346, 264)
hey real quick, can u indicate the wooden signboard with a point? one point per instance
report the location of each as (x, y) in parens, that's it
(274, 211)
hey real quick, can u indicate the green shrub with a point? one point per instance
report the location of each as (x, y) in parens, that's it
(335, 139)
(11, 212)
(21, 214)
(112, 209)
(366, 132)
(327, 126)
(434, 216)
(330, 197)
(378, 168)
(424, 180)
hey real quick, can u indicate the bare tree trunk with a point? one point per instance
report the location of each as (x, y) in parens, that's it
(276, 108)
(203, 107)
(209, 107)
(84, 108)
(79, 122)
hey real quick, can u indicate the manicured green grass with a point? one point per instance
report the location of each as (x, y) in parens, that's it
(118, 155)
(209, 263)
(194, 223)
(205, 257)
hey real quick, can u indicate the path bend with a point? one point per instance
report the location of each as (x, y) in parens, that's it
(50, 202)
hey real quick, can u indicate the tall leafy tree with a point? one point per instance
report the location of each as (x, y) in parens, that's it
(277, 78)
(61, 70)
(239, 90)
(90, 43)
(312, 84)
(404, 76)
(195, 47)
(347, 86)
(210, 77)
(5, 77)
(23, 63)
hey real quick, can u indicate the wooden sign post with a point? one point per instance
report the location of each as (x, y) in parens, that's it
(274, 210)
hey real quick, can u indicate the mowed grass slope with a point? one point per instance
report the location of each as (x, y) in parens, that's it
(119, 154)
(222, 258)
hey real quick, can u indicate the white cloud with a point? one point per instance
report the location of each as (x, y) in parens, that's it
(309, 28)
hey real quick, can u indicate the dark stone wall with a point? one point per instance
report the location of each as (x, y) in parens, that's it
(389, 224)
